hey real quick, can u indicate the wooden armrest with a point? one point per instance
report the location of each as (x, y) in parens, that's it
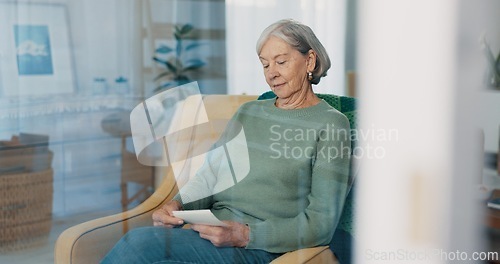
(90, 241)
(307, 255)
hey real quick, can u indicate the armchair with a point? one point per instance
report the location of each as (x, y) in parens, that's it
(90, 241)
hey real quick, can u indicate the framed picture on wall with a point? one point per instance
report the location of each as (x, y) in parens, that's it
(35, 50)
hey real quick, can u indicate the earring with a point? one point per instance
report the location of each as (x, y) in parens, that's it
(309, 76)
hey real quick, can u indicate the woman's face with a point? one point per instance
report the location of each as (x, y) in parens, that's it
(285, 68)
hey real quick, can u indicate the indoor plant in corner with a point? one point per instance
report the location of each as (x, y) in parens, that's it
(493, 73)
(177, 61)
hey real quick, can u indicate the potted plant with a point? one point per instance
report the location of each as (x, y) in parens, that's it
(493, 75)
(176, 61)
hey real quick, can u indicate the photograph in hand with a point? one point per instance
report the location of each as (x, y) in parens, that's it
(200, 217)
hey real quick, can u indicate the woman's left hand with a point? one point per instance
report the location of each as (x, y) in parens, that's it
(233, 235)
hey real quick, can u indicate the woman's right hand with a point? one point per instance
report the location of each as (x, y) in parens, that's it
(165, 217)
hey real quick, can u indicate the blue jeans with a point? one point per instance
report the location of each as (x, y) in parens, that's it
(164, 245)
(176, 245)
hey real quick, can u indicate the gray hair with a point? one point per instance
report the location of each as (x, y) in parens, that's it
(303, 39)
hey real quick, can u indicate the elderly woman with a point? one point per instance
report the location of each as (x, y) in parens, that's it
(294, 192)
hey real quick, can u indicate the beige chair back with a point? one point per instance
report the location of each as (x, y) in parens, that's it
(196, 126)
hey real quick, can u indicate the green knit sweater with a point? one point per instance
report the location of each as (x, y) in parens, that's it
(284, 174)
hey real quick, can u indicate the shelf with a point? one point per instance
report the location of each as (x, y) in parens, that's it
(15, 108)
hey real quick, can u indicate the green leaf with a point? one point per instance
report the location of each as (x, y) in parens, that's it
(167, 84)
(195, 62)
(178, 29)
(164, 62)
(177, 36)
(171, 67)
(498, 64)
(489, 56)
(163, 49)
(179, 48)
(182, 79)
(186, 29)
(161, 75)
(193, 65)
(178, 63)
(193, 45)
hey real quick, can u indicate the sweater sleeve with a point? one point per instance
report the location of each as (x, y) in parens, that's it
(316, 224)
(198, 192)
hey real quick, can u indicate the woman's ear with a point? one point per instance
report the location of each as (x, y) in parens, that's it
(311, 60)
